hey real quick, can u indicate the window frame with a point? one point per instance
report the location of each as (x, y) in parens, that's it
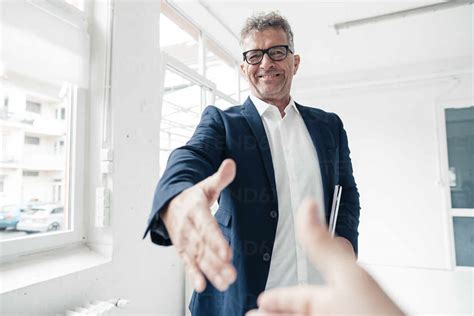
(205, 42)
(11, 249)
(450, 213)
(2, 185)
(209, 45)
(64, 11)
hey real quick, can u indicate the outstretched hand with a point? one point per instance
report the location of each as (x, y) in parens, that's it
(196, 234)
(349, 289)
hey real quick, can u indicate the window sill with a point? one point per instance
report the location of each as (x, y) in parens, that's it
(48, 265)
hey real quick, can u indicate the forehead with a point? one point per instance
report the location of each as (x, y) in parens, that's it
(263, 39)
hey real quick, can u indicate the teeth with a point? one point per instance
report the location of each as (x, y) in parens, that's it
(269, 76)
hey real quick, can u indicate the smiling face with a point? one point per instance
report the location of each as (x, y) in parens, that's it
(270, 80)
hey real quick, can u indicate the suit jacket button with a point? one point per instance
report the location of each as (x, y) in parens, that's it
(266, 256)
(273, 214)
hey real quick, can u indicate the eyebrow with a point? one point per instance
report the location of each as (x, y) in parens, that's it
(248, 50)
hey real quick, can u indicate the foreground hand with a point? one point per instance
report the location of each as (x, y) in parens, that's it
(349, 288)
(196, 234)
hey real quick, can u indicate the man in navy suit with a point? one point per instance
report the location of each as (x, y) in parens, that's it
(259, 160)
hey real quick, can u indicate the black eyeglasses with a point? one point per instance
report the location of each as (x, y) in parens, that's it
(275, 53)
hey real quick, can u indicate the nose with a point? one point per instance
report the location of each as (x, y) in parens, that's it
(266, 62)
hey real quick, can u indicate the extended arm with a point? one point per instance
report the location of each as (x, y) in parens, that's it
(187, 165)
(194, 177)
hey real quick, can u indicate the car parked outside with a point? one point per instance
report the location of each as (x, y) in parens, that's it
(42, 218)
(10, 216)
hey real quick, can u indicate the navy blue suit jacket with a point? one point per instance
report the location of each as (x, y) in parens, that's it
(246, 213)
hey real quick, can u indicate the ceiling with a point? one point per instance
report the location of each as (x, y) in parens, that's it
(426, 38)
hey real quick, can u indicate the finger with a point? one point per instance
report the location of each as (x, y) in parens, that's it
(190, 247)
(193, 244)
(199, 281)
(211, 234)
(328, 256)
(291, 300)
(259, 312)
(203, 249)
(217, 257)
(214, 239)
(214, 184)
(220, 273)
(255, 312)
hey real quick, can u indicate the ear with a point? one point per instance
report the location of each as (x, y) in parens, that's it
(243, 71)
(296, 64)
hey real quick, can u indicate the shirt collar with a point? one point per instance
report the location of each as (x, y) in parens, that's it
(263, 106)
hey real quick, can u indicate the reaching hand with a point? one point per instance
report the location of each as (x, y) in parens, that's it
(196, 234)
(349, 289)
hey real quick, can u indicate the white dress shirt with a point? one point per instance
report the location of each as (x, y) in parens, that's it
(297, 175)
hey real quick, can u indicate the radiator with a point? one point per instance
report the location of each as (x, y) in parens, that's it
(98, 308)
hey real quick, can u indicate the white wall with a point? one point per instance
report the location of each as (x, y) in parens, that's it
(149, 276)
(394, 136)
(427, 291)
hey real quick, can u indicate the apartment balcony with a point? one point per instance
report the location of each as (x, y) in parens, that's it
(9, 162)
(32, 123)
(44, 162)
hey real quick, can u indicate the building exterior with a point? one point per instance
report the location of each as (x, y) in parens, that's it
(33, 131)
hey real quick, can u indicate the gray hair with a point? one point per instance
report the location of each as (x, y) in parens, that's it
(263, 21)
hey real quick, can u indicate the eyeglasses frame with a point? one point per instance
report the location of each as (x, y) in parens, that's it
(265, 51)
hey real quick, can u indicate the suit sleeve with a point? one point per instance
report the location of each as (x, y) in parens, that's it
(187, 165)
(349, 209)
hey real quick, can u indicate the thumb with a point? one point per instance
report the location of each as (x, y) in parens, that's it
(214, 184)
(325, 253)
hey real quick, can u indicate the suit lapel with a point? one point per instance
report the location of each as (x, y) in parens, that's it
(317, 128)
(252, 116)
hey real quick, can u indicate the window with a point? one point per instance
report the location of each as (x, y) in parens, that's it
(460, 134)
(222, 70)
(33, 107)
(197, 72)
(59, 147)
(53, 75)
(57, 192)
(39, 145)
(192, 79)
(61, 114)
(27, 173)
(464, 240)
(460, 151)
(31, 140)
(58, 210)
(2, 184)
(178, 38)
(181, 112)
(38, 171)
